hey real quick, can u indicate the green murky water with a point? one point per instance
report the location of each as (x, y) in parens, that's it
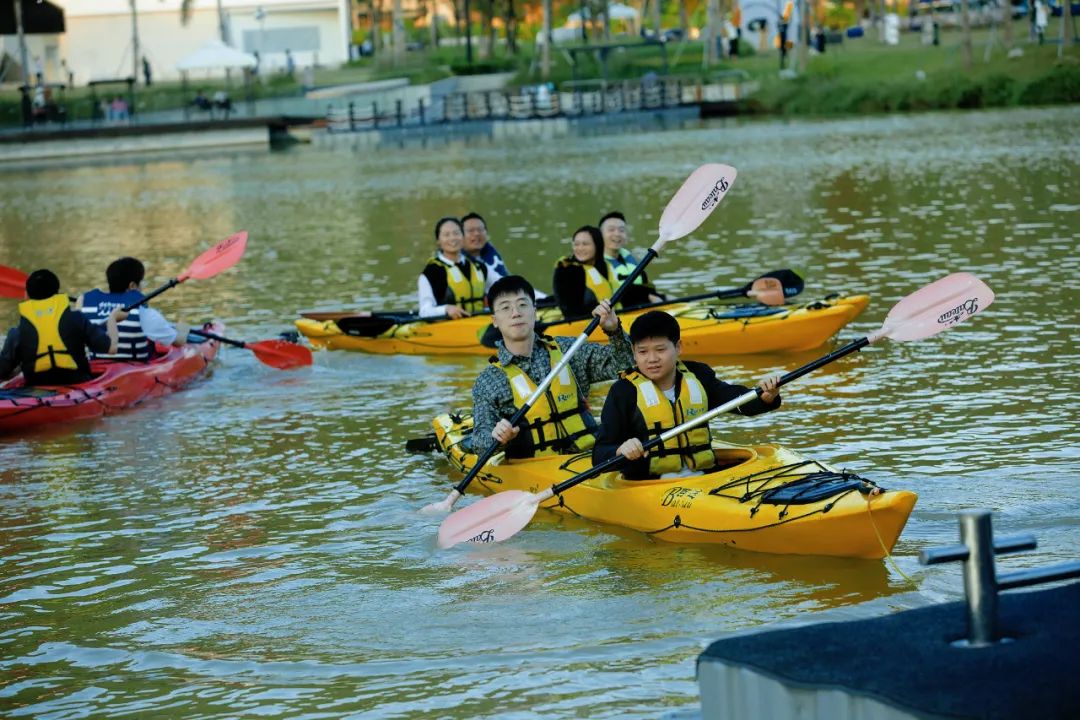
(251, 546)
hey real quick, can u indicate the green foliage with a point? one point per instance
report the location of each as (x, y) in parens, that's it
(1060, 85)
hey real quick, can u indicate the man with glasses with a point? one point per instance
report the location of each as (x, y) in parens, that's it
(480, 248)
(560, 421)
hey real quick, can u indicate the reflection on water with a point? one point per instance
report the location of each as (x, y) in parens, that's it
(252, 545)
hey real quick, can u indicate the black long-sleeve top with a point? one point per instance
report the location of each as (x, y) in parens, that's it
(621, 419)
(577, 300)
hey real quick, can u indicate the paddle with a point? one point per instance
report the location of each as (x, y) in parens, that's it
(12, 283)
(426, 444)
(769, 289)
(926, 312)
(217, 259)
(694, 201)
(279, 354)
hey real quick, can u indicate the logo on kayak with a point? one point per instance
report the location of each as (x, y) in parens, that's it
(488, 536)
(679, 497)
(714, 195)
(959, 313)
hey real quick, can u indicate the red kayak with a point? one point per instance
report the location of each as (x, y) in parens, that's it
(115, 387)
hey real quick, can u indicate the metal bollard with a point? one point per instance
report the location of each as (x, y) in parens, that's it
(981, 584)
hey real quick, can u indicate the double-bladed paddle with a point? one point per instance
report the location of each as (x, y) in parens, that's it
(280, 354)
(937, 307)
(217, 259)
(772, 288)
(694, 201)
(275, 353)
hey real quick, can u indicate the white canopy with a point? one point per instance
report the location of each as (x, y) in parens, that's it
(616, 11)
(216, 54)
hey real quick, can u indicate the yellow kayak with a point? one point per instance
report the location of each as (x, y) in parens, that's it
(763, 498)
(706, 329)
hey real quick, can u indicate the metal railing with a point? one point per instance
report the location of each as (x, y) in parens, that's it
(499, 105)
(976, 551)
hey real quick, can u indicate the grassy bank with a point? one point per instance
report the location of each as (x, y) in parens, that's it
(857, 76)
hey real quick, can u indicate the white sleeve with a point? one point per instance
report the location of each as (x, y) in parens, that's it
(429, 307)
(490, 278)
(155, 327)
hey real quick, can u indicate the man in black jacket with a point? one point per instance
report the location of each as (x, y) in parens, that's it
(661, 393)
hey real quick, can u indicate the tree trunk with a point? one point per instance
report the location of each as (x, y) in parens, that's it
(433, 24)
(398, 33)
(965, 41)
(511, 28)
(487, 31)
(656, 15)
(545, 53)
(804, 34)
(684, 19)
(1007, 20)
(607, 20)
(1066, 25)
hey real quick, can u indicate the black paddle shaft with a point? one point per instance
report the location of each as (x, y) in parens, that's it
(517, 417)
(617, 461)
(212, 336)
(792, 284)
(147, 298)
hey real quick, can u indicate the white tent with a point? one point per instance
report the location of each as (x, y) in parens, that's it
(216, 54)
(616, 11)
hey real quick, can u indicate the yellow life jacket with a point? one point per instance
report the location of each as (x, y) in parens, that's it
(468, 291)
(44, 315)
(554, 421)
(595, 281)
(693, 447)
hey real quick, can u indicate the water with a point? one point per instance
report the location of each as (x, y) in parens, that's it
(251, 546)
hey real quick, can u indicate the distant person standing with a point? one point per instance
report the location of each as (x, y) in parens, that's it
(39, 71)
(146, 71)
(290, 64)
(1040, 20)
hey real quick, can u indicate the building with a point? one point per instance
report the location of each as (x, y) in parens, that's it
(97, 44)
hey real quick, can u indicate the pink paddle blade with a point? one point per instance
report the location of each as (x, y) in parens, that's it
(281, 354)
(936, 307)
(218, 258)
(12, 283)
(768, 291)
(693, 202)
(493, 519)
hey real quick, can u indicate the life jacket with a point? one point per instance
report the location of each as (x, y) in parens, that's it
(133, 343)
(555, 421)
(623, 266)
(595, 280)
(51, 352)
(694, 447)
(452, 287)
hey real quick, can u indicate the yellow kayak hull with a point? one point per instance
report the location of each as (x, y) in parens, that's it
(720, 507)
(800, 326)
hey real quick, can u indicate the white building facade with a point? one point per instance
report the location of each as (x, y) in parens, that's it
(98, 42)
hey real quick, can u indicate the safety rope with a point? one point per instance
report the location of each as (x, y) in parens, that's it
(888, 555)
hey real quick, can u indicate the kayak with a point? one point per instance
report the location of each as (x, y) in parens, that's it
(115, 387)
(762, 498)
(707, 330)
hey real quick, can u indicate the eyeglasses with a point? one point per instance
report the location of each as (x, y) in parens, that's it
(507, 308)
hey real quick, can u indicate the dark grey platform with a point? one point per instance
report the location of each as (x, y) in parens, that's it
(904, 665)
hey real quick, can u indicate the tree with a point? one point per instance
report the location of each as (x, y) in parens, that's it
(185, 16)
(545, 55)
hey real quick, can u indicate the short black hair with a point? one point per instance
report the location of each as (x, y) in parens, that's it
(443, 221)
(121, 273)
(42, 284)
(655, 324)
(598, 241)
(613, 215)
(473, 216)
(510, 285)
